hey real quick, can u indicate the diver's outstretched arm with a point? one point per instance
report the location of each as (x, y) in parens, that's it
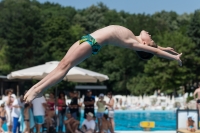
(157, 52)
(168, 49)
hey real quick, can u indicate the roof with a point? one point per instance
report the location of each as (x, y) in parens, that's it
(3, 77)
(90, 87)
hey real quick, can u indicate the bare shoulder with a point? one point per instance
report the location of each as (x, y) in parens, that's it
(112, 100)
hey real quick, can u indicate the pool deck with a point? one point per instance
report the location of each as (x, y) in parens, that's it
(142, 132)
(145, 132)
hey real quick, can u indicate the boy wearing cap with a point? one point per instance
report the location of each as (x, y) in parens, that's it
(101, 108)
(88, 125)
(191, 124)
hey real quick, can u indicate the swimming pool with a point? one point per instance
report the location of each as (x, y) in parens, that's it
(130, 120)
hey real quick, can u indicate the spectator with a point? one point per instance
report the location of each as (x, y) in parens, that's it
(191, 124)
(110, 105)
(50, 122)
(89, 103)
(30, 116)
(50, 111)
(17, 105)
(96, 125)
(71, 124)
(73, 106)
(88, 125)
(26, 117)
(61, 110)
(80, 103)
(39, 105)
(8, 107)
(2, 116)
(106, 126)
(101, 108)
(51, 105)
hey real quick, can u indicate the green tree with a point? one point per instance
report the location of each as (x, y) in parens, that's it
(194, 34)
(21, 29)
(4, 64)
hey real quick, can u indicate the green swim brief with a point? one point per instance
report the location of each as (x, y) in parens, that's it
(95, 46)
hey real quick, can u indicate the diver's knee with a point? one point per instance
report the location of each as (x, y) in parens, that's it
(65, 64)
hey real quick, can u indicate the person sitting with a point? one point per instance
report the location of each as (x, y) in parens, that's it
(71, 123)
(106, 126)
(88, 125)
(191, 124)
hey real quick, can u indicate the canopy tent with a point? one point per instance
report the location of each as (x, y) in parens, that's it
(75, 74)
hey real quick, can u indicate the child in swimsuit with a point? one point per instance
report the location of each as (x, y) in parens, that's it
(26, 117)
(191, 124)
(2, 116)
(106, 126)
(91, 44)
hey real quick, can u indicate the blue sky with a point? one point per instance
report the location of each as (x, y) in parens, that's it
(136, 6)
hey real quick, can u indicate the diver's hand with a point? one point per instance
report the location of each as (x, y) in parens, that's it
(170, 50)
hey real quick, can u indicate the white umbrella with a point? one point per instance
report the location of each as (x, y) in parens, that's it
(162, 98)
(75, 74)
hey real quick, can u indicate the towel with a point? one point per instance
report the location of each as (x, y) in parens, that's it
(22, 123)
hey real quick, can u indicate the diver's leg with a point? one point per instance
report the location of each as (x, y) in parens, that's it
(76, 56)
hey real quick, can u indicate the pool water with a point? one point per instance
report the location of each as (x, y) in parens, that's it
(130, 120)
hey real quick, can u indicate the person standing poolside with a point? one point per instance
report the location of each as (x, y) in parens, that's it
(80, 103)
(110, 105)
(197, 92)
(27, 107)
(91, 44)
(89, 101)
(61, 102)
(73, 106)
(39, 105)
(51, 105)
(2, 116)
(8, 107)
(101, 108)
(17, 105)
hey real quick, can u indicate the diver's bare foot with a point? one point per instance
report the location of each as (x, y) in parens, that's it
(32, 94)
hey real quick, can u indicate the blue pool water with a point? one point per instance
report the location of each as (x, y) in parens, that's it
(130, 120)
